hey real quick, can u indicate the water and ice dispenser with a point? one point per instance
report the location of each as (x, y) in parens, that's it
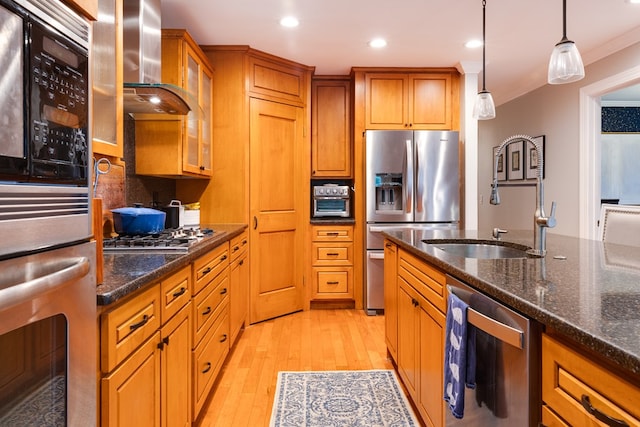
(389, 196)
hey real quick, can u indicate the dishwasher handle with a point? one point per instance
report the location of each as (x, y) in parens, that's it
(499, 330)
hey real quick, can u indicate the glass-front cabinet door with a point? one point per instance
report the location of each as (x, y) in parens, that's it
(206, 138)
(190, 160)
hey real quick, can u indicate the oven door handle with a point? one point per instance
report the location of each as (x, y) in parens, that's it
(499, 330)
(44, 281)
(376, 255)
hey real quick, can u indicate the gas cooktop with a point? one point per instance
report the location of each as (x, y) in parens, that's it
(174, 240)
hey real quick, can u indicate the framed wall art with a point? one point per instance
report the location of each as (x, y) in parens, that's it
(531, 158)
(515, 161)
(502, 164)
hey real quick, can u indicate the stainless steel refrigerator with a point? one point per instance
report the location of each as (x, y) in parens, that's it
(412, 181)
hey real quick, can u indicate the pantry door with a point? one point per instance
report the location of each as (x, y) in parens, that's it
(279, 162)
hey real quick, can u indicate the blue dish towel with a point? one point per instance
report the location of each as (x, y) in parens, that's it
(457, 365)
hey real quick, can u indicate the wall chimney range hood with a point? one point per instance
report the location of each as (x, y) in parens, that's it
(142, 41)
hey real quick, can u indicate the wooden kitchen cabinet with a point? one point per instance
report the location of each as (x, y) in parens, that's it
(331, 127)
(391, 298)
(573, 380)
(238, 284)
(261, 171)
(179, 146)
(146, 356)
(210, 330)
(421, 334)
(428, 100)
(332, 262)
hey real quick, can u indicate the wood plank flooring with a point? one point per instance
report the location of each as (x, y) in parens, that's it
(312, 340)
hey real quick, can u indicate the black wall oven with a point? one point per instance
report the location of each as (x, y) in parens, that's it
(44, 125)
(47, 259)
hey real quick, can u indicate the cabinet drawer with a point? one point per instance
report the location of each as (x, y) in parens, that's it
(334, 233)
(333, 280)
(209, 266)
(426, 279)
(127, 326)
(550, 419)
(175, 291)
(238, 245)
(208, 305)
(332, 253)
(208, 358)
(569, 378)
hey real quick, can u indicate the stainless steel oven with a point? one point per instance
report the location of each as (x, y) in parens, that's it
(44, 129)
(331, 200)
(47, 259)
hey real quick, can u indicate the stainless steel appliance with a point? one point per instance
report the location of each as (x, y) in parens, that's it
(44, 138)
(412, 181)
(331, 200)
(47, 284)
(170, 240)
(507, 391)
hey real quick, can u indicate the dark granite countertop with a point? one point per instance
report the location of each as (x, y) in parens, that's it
(584, 289)
(127, 272)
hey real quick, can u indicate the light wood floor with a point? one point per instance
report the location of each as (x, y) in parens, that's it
(307, 341)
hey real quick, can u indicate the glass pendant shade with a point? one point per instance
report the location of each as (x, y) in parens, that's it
(484, 108)
(565, 65)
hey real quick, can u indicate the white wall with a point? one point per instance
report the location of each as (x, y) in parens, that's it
(553, 111)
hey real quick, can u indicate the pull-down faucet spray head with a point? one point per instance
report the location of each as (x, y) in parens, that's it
(494, 199)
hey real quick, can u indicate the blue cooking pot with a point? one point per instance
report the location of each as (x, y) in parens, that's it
(138, 220)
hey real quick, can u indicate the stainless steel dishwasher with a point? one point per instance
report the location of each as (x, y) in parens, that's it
(507, 391)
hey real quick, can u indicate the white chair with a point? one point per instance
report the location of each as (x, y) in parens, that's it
(620, 224)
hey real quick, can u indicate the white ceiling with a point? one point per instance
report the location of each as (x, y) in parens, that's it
(333, 34)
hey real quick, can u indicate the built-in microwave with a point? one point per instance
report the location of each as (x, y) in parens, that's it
(331, 200)
(45, 149)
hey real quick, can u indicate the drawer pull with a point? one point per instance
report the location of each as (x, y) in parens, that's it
(223, 291)
(207, 311)
(207, 369)
(414, 302)
(241, 262)
(180, 292)
(244, 242)
(236, 248)
(332, 254)
(141, 323)
(600, 416)
(223, 257)
(206, 271)
(332, 283)
(333, 233)
(224, 338)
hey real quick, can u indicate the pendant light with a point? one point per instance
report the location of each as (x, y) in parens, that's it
(484, 108)
(565, 65)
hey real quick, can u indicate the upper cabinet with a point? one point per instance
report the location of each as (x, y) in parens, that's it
(88, 8)
(107, 126)
(330, 127)
(425, 100)
(179, 146)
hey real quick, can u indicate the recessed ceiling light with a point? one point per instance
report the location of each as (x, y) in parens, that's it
(378, 42)
(289, 21)
(633, 1)
(472, 44)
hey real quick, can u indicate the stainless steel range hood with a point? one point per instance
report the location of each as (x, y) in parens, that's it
(144, 93)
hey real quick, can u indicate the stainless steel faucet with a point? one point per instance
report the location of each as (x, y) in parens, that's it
(540, 221)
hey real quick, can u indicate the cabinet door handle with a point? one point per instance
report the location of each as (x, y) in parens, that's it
(223, 291)
(161, 344)
(207, 369)
(255, 223)
(180, 292)
(241, 262)
(141, 323)
(207, 311)
(388, 245)
(201, 168)
(601, 416)
(414, 302)
(224, 338)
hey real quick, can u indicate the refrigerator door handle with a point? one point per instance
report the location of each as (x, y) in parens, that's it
(408, 176)
(376, 255)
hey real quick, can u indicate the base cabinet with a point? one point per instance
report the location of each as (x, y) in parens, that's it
(332, 262)
(391, 298)
(420, 334)
(577, 391)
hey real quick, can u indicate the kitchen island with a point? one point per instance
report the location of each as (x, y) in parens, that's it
(584, 295)
(583, 289)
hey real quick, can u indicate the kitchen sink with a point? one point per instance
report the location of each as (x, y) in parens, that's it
(480, 249)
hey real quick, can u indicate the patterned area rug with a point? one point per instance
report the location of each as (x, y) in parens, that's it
(44, 407)
(340, 398)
